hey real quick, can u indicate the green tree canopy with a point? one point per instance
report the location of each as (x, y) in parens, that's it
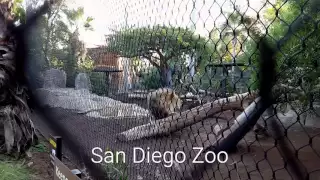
(54, 41)
(161, 46)
(298, 52)
(234, 32)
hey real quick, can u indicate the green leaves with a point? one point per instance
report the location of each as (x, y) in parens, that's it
(299, 53)
(87, 24)
(73, 15)
(144, 41)
(18, 11)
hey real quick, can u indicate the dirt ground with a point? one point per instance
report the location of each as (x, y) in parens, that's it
(39, 163)
(257, 158)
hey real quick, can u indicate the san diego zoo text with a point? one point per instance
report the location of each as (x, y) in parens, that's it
(140, 155)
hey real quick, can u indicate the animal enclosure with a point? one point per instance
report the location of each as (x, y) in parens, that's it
(208, 53)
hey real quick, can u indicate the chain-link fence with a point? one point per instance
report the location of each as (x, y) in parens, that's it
(205, 51)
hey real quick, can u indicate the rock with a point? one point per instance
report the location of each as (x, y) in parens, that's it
(29, 154)
(54, 78)
(157, 173)
(30, 164)
(217, 129)
(84, 101)
(82, 81)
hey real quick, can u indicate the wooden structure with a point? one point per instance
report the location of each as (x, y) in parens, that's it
(112, 65)
(61, 171)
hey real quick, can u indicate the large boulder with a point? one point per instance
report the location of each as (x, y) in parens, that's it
(82, 81)
(90, 104)
(54, 78)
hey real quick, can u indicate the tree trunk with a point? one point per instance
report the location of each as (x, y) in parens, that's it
(17, 132)
(70, 65)
(191, 67)
(165, 76)
(35, 39)
(180, 120)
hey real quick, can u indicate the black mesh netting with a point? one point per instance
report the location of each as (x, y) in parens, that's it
(205, 56)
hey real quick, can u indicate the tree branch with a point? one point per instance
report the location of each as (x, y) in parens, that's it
(180, 120)
(152, 62)
(49, 31)
(159, 52)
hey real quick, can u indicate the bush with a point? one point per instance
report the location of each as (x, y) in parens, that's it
(151, 79)
(117, 169)
(98, 82)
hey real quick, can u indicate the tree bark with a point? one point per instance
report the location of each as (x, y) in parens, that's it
(194, 170)
(284, 146)
(16, 128)
(165, 75)
(178, 121)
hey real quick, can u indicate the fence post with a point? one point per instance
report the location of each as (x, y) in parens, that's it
(107, 82)
(56, 152)
(56, 148)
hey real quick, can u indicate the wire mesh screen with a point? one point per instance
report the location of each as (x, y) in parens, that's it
(171, 77)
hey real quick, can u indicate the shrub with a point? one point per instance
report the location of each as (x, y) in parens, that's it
(98, 82)
(116, 170)
(151, 79)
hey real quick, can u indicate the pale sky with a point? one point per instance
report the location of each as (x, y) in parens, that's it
(111, 14)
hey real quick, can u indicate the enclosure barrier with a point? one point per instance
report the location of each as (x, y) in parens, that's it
(230, 99)
(60, 170)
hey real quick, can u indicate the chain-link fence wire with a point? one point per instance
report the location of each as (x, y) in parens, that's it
(204, 51)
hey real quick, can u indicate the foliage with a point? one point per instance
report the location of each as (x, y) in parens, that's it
(16, 170)
(234, 32)
(97, 80)
(116, 170)
(56, 63)
(160, 40)
(41, 147)
(137, 64)
(297, 57)
(160, 45)
(62, 35)
(62, 22)
(85, 65)
(18, 11)
(151, 78)
(207, 81)
(87, 24)
(231, 40)
(54, 41)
